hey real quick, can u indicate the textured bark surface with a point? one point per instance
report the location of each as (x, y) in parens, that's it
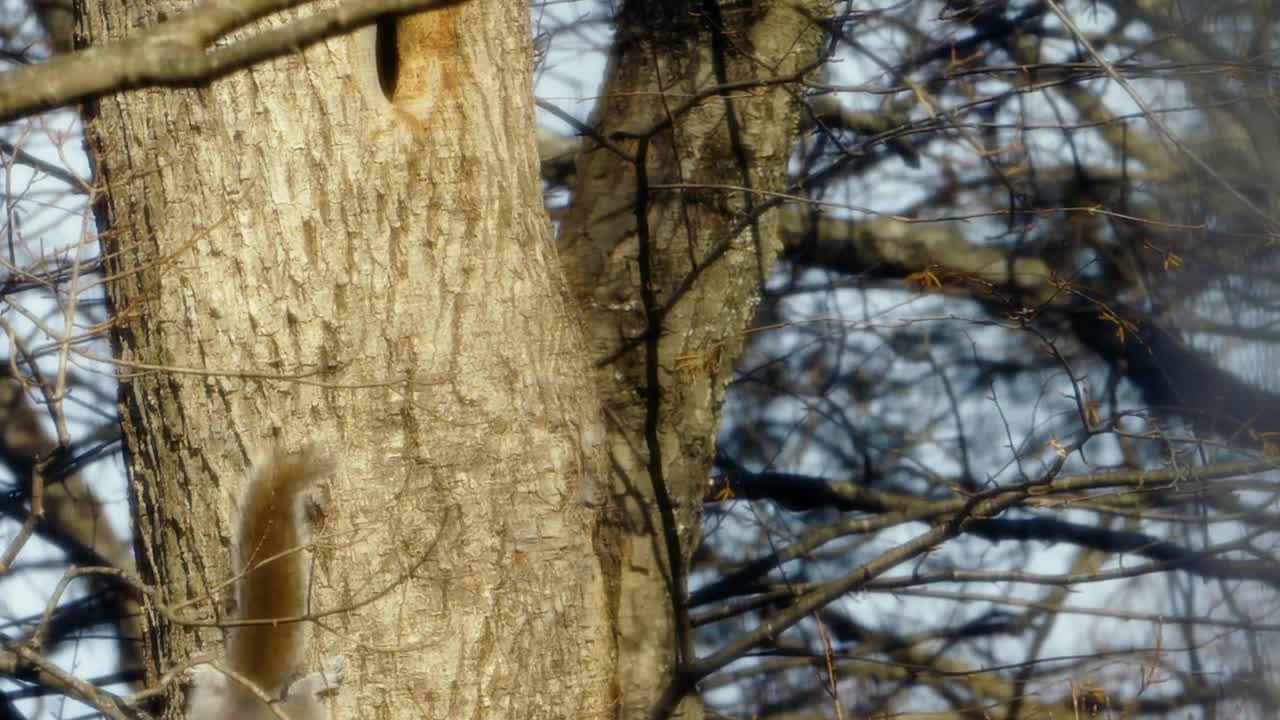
(707, 262)
(298, 260)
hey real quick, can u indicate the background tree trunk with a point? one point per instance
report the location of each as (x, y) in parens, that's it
(297, 260)
(668, 264)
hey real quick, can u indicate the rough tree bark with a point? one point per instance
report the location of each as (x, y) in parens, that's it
(667, 266)
(295, 259)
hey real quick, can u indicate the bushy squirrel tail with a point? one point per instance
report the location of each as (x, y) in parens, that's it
(271, 569)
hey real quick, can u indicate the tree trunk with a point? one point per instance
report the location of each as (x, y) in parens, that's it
(702, 95)
(295, 260)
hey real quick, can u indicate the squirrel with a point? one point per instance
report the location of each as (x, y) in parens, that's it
(272, 583)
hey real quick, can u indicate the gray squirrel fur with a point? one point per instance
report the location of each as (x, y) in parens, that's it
(272, 583)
